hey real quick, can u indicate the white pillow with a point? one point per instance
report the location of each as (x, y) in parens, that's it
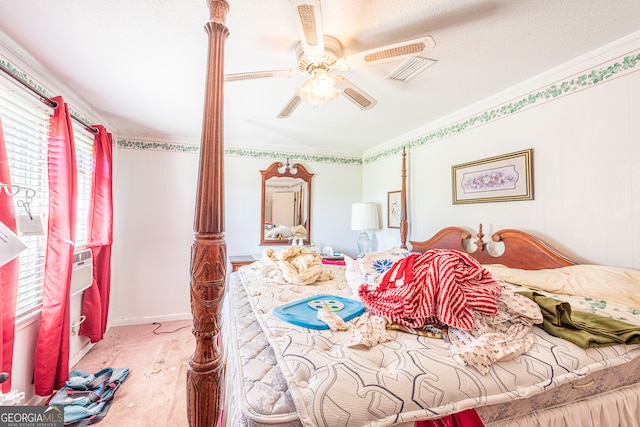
(377, 263)
(370, 268)
(353, 274)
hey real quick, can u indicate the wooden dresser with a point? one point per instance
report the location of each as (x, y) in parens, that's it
(238, 261)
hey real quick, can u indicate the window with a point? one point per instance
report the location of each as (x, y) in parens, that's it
(25, 122)
(84, 164)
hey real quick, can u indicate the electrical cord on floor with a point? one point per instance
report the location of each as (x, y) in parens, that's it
(167, 332)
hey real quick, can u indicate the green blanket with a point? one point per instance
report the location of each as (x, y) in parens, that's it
(581, 328)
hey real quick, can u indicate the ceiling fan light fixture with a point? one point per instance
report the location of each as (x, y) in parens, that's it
(322, 83)
(319, 89)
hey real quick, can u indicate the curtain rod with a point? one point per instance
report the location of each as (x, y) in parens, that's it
(44, 99)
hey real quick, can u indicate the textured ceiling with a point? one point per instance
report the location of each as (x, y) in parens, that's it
(141, 64)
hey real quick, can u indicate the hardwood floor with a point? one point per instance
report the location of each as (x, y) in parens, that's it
(157, 355)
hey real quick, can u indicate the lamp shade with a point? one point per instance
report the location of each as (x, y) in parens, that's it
(319, 89)
(364, 216)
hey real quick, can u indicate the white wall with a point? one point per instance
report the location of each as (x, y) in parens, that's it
(335, 187)
(154, 197)
(154, 200)
(586, 166)
(380, 178)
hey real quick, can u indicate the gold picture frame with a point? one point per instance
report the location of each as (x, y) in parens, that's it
(393, 209)
(495, 179)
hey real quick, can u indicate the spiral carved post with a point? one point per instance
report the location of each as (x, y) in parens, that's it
(208, 251)
(404, 227)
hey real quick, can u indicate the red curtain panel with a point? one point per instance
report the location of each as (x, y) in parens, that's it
(51, 361)
(96, 299)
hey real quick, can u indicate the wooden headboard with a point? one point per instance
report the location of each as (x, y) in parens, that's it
(521, 250)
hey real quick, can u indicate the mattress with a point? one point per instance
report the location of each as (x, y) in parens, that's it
(279, 379)
(255, 393)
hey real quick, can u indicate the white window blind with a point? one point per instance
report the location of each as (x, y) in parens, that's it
(84, 161)
(25, 123)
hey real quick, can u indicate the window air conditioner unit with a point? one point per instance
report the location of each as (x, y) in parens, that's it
(82, 274)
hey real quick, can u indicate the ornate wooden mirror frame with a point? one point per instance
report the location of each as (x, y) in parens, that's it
(293, 185)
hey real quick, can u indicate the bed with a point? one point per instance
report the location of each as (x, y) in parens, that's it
(281, 374)
(255, 369)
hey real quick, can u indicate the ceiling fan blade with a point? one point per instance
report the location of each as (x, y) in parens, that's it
(387, 53)
(355, 94)
(260, 75)
(308, 17)
(291, 105)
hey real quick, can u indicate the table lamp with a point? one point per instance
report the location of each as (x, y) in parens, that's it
(364, 216)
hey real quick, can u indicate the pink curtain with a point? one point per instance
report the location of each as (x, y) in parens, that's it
(8, 273)
(51, 361)
(96, 299)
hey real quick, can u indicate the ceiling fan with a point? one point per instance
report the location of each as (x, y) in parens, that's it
(319, 55)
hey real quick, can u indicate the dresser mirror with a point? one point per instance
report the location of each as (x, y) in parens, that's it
(286, 204)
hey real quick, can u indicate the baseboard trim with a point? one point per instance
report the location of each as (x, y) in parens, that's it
(149, 319)
(73, 361)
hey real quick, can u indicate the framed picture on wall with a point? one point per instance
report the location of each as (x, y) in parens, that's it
(393, 209)
(495, 179)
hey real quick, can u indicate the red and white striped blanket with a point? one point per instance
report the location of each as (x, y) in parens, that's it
(442, 287)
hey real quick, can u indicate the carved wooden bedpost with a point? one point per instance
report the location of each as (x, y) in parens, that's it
(403, 203)
(208, 251)
(480, 244)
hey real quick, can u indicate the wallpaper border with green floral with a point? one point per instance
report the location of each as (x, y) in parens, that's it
(239, 152)
(615, 68)
(589, 78)
(158, 146)
(26, 79)
(321, 158)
